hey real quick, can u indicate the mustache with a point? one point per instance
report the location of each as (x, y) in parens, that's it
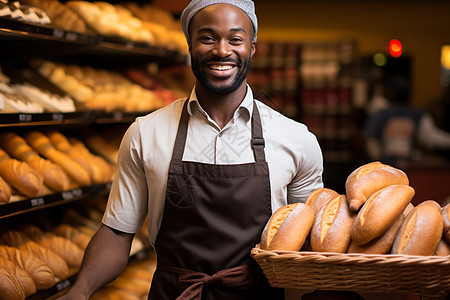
(221, 60)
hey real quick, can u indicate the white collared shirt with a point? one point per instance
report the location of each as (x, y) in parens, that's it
(292, 152)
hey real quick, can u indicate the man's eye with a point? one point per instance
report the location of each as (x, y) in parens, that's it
(207, 39)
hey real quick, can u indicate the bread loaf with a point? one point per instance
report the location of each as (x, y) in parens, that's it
(331, 229)
(24, 279)
(64, 248)
(53, 175)
(379, 212)
(381, 244)
(40, 272)
(288, 228)
(446, 219)
(42, 144)
(421, 231)
(10, 288)
(73, 234)
(5, 191)
(20, 175)
(369, 178)
(319, 198)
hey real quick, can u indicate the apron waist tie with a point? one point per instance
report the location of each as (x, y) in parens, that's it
(191, 282)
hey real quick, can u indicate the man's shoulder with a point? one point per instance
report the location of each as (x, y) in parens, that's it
(166, 113)
(271, 116)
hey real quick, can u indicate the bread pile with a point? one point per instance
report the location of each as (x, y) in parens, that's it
(22, 12)
(112, 20)
(32, 259)
(40, 163)
(60, 15)
(98, 89)
(27, 98)
(375, 216)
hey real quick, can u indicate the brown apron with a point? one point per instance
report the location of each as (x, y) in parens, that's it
(213, 216)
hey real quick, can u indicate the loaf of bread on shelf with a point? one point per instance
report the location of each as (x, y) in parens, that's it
(443, 248)
(421, 231)
(19, 240)
(24, 279)
(288, 228)
(21, 176)
(72, 233)
(380, 211)
(43, 146)
(369, 178)
(39, 271)
(331, 228)
(63, 247)
(10, 288)
(53, 175)
(319, 198)
(5, 191)
(446, 219)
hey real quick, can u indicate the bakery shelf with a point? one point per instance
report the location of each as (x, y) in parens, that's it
(23, 40)
(27, 205)
(46, 119)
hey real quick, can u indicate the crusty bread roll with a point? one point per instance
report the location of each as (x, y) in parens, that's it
(25, 280)
(443, 248)
(421, 231)
(369, 178)
(446, 219)
(331, 229)
(5, 191)
(380, 211)
(54, 176)
(288, 228)
(319, 198)
(381, 244)
(39, 271)
(21, 176)
(10, 288)
(42, 144)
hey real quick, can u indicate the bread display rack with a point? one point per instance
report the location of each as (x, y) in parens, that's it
(424, 275)
(21, 42)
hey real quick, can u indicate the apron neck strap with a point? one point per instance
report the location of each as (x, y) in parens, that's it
(257, 134)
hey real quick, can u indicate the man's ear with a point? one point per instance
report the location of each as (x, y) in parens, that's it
(253, 48)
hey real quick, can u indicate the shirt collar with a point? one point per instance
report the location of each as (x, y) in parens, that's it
(246, 106)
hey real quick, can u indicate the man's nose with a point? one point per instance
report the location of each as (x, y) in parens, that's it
(222, 49)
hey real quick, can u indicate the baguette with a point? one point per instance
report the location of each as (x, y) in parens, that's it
(446, 219)
(319, 198)
(24, 279)
(369, 178)
(288, 228)
(40, 272)
(421, 231)
(10, 288)
(43, 146)
(5, 191)
(331, 229)
(21, 176)
(73, 234)
(64, 248)
(380, 211)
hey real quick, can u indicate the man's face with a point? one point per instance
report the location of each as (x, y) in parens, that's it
(221, 48)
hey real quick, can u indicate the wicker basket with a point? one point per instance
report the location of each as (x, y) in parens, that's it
(423, 275)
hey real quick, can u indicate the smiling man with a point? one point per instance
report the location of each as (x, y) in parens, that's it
(209, 171)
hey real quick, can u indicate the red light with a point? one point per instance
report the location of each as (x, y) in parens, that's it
(395, 48)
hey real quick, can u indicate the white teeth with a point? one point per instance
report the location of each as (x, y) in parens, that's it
(221, 68)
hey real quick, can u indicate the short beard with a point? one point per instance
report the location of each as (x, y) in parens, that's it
(197, 69)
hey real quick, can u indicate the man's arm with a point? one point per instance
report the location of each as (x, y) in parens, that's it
(105, 258)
